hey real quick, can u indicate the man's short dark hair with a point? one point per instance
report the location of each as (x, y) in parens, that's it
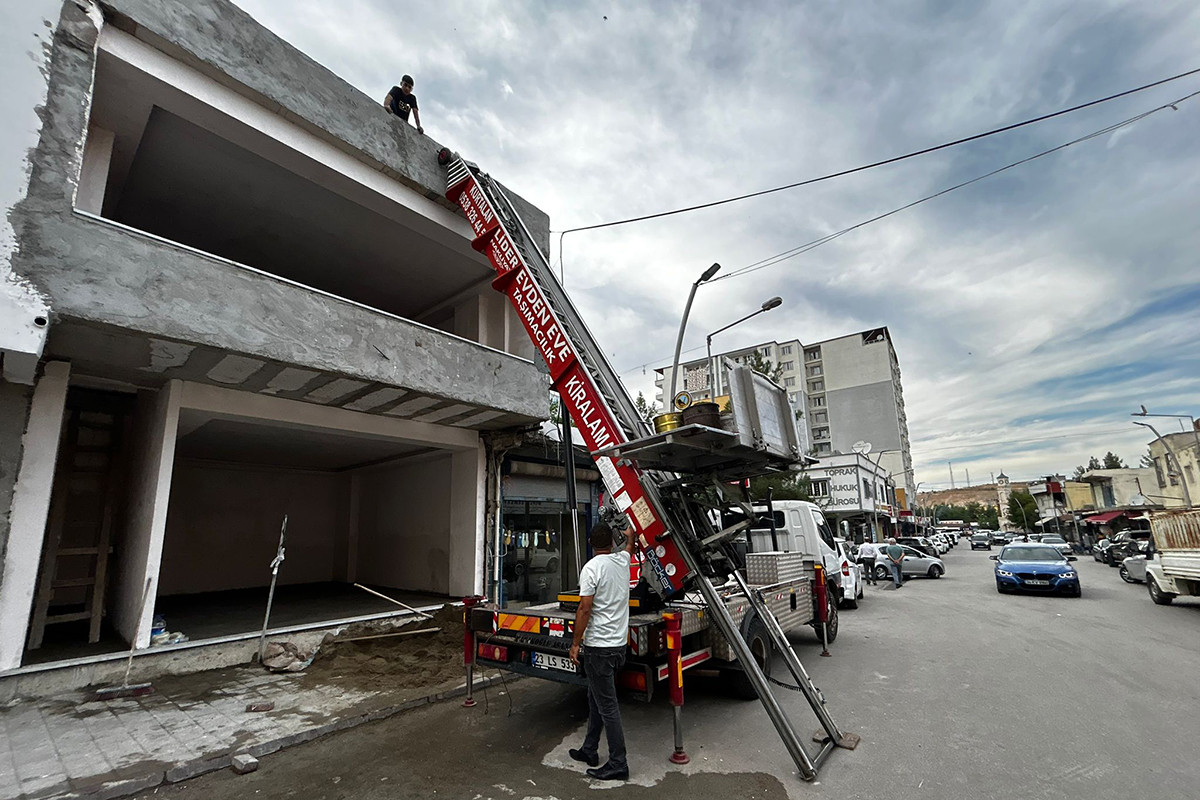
(601, 536)
(407, 79)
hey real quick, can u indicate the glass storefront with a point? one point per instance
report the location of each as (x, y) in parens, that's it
(536, 547)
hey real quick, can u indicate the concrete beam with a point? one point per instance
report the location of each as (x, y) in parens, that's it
(30, 507)
(98, 271)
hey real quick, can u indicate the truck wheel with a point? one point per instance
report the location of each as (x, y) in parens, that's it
(760, 646)
(1156, 594)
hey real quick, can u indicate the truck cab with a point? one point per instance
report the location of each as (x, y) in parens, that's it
(799, 527)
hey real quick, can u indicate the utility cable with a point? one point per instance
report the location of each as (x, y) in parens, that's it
(815, 243)
(884, 162)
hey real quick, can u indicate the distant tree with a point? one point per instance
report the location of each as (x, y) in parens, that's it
(1113, 461)
(647, 410)
(1022, 510)
(756, 361)
(556, 410)
(786, 486)
(1093, 463)
(1147, 461)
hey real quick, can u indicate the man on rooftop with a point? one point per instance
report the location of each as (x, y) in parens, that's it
(400, 99)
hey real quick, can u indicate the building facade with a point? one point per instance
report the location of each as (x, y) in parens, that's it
(234, 292)
(856, 495)
(1176, 459)
(848, 389)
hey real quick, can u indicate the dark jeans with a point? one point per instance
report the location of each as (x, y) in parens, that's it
(600, 664)
(868, 565)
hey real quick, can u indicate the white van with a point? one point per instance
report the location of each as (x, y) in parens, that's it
(800, 527)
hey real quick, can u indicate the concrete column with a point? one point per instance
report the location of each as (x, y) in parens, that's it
(93, 176)
(156, 421)
(30, 507)
(468, 516)
(467, 318)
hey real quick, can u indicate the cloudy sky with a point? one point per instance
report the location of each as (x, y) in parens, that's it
(1031, 311)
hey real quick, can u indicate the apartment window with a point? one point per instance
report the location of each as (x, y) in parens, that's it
(868, 490)
(820, 433)
(793, 396)
(821, 417)
(787, 366)
(819, 488)
(766, 351)
(824, 449)
(816, 386)
(813, 372)
(785, 350)
(817, 402)
(812, 354)
(1158, 473)
(789, 381)
(1187, 470)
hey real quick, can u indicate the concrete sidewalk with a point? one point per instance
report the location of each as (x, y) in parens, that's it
(66, 746)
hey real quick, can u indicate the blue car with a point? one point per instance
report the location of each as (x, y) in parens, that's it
(1040, 568)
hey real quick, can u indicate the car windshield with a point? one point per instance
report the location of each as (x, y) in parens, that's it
(1053, 540)
(979, 537)
(1030, 554)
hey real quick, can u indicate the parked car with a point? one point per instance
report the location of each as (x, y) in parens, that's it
(1123, 545)
(1099, 550)
(915, 563)
(852, 577)
(1058, 543)
(1133, 568)
(1031, 567)
(981, 541)
(919, 543)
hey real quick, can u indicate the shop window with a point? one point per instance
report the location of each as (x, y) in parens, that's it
(535, 542)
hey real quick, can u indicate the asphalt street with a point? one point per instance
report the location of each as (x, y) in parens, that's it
(956, 691)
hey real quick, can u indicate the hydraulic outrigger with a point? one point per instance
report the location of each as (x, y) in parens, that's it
(661, 503)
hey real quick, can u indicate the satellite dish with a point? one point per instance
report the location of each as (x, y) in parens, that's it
(861, 447)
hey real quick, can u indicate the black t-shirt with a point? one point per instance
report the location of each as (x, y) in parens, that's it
(401, 102)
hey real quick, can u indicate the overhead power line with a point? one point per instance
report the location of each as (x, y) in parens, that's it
(815, 243)
(884, 162)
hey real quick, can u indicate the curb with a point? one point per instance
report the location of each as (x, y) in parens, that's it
(185, 770)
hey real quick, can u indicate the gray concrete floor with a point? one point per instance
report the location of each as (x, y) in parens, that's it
(956, 691)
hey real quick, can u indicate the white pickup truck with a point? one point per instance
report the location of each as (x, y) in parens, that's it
(1175, 568)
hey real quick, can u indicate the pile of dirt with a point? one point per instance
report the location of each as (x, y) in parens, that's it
(422, 659)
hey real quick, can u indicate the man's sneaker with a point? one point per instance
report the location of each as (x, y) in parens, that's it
(591, 759)
(609, 773)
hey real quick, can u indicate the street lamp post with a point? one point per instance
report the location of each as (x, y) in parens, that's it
(1187, 495)
(774, 302)
(687, 309)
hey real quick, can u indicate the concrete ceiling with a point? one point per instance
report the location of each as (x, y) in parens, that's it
(279, 446)
(190, 174)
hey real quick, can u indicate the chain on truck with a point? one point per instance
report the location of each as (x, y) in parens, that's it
(707, 593)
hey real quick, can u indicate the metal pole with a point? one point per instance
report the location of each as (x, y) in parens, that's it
(279, 556)
(687, 309)
(572, 503)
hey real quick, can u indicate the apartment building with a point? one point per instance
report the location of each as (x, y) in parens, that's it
(848, 389)
(233, 291)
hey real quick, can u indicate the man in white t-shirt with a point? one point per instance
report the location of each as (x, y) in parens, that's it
(602, 628)
(867, 554)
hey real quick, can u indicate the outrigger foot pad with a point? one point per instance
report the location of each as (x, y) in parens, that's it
(849, 740)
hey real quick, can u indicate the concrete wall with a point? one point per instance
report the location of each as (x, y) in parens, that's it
(223, 527)
(15, 400)
(848, 362)
(404, 526)
(864, 412)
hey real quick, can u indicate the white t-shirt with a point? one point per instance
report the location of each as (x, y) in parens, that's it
(606, 579)
(868, 550)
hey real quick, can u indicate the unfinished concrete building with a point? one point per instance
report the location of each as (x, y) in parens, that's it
(234, 291)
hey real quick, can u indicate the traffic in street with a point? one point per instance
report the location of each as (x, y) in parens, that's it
(956, 690)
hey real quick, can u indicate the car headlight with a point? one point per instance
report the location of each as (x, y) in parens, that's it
(1005, 573)
(1067, 575)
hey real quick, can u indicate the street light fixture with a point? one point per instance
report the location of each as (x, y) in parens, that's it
(774, 302)
(708, 273)
(1187, 495)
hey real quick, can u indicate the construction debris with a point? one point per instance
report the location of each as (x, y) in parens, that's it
(244, 763)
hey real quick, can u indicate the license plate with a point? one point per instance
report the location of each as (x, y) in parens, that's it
(551, 661)
(1038, 583)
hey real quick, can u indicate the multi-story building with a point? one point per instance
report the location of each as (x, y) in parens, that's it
(1176, 459)
(855, 494)
(234, 291)
(848, 389)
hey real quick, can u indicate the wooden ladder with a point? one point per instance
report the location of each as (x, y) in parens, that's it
(76, 551)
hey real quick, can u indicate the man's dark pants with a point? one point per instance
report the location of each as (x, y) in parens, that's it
(600, 664)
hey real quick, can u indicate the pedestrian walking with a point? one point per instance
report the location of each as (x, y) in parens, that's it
(867, 553)
(401, 99)
(895, 557)
(601, 632)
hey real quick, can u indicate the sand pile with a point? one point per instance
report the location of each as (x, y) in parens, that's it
(423, 659)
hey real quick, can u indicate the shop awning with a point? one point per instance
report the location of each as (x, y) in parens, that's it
(1107, 516)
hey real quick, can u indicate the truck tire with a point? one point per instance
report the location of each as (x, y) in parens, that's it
(1159, 597)
(760, 645)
